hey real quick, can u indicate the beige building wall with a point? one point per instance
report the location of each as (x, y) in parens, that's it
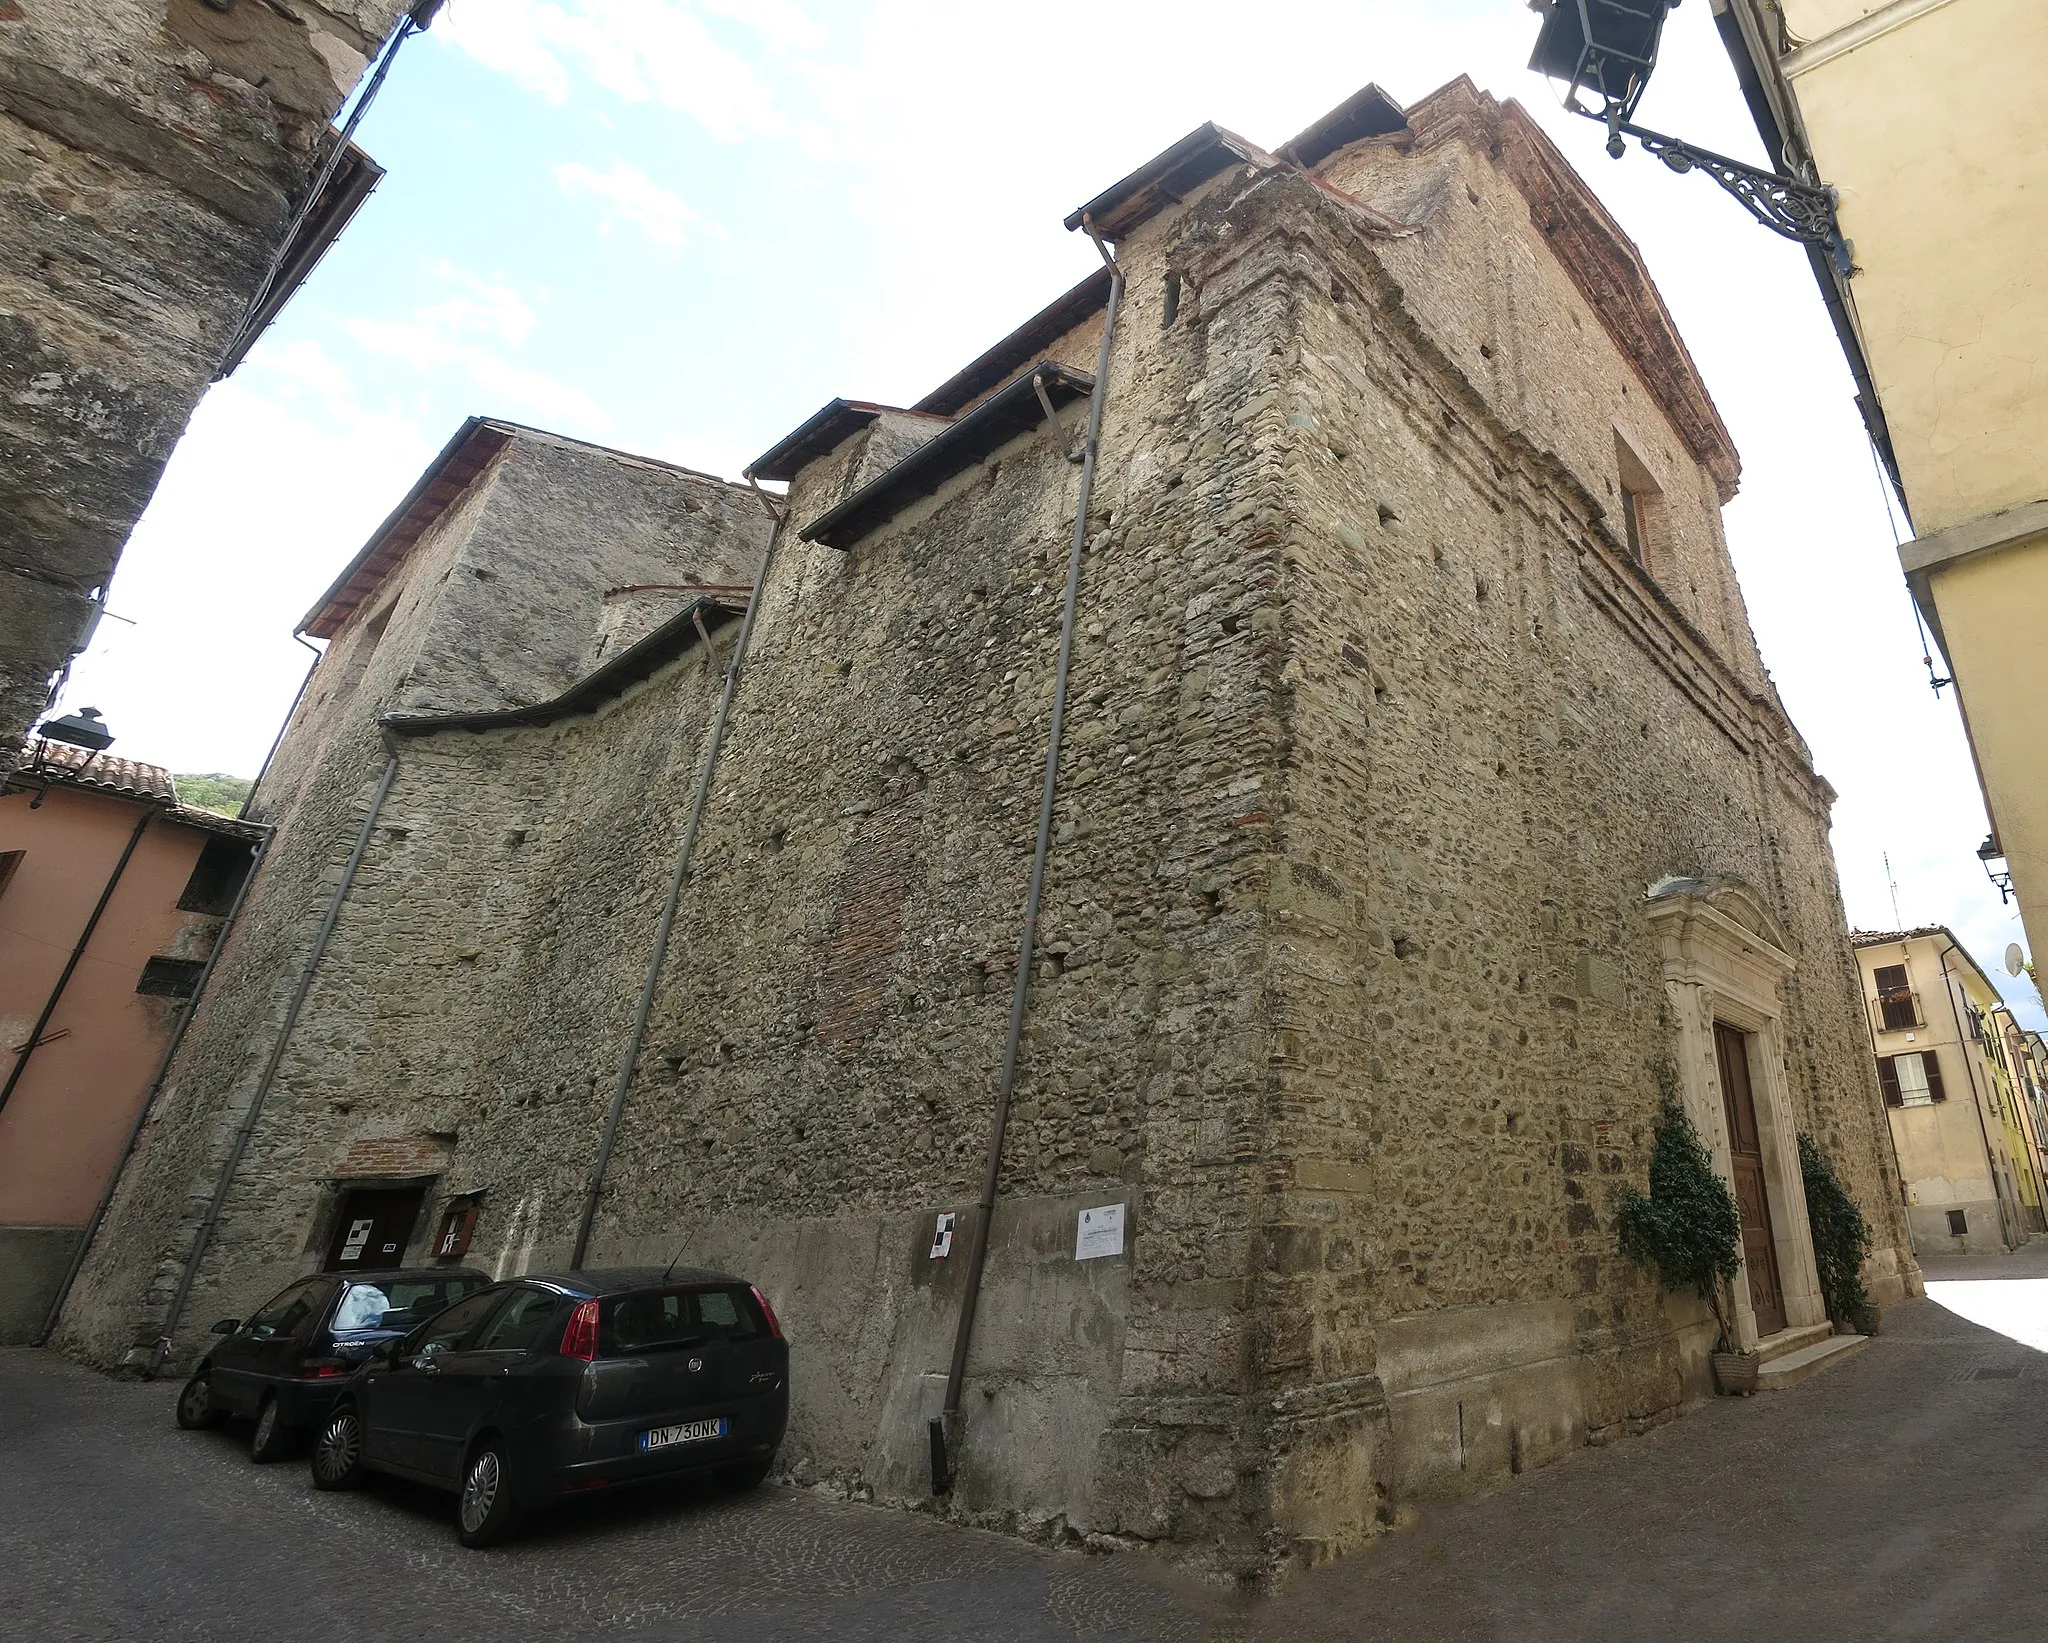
(1951, 1133)
(1927, 117)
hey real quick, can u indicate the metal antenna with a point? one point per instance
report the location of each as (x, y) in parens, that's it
(1897, 922)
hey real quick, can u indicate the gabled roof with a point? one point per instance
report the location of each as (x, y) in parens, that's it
(1166, 179)
(1020, 347)
(822, 433)
(993, 423)
(447, 477)
(476, 442)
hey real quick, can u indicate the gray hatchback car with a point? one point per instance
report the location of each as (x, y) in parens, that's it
(553, 1385)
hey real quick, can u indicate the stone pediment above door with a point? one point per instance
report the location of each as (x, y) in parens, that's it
(1719, 929)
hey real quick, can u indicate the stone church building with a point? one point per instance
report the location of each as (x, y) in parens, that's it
(1423, 811)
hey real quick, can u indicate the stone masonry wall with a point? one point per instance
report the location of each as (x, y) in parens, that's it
(1377, 739)
(544, 530)
(149, 158)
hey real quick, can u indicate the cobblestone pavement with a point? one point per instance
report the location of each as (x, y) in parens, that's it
(1903, 1494)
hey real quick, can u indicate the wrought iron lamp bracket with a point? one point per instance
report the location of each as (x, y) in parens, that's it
(1797, 210)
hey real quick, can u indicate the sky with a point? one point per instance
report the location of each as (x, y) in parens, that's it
(680, 226)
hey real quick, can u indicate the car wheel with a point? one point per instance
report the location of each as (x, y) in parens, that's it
(272, 1439)
(338, 1451)
(485, 1513)
(748, 1474)
(196, 1408)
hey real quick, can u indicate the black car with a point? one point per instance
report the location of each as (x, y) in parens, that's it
(285, 1365)
(549, 1386)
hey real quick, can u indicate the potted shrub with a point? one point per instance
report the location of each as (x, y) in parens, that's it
(1841, 1239)
(1690, 1231)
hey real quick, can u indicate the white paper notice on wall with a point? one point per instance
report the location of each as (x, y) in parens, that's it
(1099, 1232)
(942, 1236)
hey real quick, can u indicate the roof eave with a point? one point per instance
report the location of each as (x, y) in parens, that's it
(1004, 415)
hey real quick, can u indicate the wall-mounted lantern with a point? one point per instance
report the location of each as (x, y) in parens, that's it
(1606, 50)
(1993, 858)
(85, 729)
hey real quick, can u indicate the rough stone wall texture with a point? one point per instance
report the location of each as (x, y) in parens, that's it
(149, 160)
(1377, 739)
(543, 531)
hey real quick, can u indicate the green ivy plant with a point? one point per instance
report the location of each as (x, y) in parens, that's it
(1840, 1237)
(1687, 1227)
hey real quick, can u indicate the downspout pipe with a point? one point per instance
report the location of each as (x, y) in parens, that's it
(156, 1084)
(636, 1037)
(283, 725)
(35, 1035)
(307, 972)
(940, 1430)
(1976, 1103)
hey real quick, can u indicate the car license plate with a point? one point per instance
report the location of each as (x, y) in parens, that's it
(667, 1437)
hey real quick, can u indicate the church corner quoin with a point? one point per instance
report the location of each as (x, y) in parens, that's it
(1424, 817)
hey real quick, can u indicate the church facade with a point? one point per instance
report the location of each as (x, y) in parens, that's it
(1422, 817)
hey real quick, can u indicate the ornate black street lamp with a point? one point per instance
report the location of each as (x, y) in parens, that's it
(1605, 50)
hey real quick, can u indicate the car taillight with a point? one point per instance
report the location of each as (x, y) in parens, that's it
(579, 1340)
(320, 1369)
(767, 1311)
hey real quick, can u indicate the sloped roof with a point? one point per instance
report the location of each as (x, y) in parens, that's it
(821, 433)
(991, 424)
(1017, 350)
(99, 772)
(1166, 179)
(58, 764)
(446, 478)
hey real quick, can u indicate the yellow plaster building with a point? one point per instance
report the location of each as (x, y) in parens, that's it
(1928, 117)
(1967, 1153)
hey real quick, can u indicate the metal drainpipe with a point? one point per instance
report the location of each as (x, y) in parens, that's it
(283, 725)
(1976, 1105)
(1027, 939)
(270, 1065)
(629, 1058)
(156, 1084)
(56, 997)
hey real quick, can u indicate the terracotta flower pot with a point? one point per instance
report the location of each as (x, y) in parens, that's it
(1735, 1372)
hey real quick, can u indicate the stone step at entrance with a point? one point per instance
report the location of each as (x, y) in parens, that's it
(1782, 1373)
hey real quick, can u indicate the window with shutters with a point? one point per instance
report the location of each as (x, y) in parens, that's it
(1898, 1006)
(1910, 1080)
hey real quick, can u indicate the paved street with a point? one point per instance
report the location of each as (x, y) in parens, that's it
(1903, 1494)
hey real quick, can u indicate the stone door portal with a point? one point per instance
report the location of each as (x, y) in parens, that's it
(1746, 1153)
(373, 1229)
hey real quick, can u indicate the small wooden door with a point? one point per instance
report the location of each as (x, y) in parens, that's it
(1746, 1151)
(374, 1227)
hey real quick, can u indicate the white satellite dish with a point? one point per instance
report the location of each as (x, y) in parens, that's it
(2015, 958)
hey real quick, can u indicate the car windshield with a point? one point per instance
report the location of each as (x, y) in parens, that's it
(675, 1317)
(399, 1303)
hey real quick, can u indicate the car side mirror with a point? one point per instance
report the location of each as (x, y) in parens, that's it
(387, 1351)
(227, 1326)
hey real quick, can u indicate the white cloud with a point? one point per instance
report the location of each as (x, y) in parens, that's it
(633, 197)
(467, 331)
(637, 50)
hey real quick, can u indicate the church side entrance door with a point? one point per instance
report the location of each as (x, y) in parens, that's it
(1746, 1151)
(373, 1229)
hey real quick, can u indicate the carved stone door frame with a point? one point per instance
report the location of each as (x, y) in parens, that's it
(1724, 958)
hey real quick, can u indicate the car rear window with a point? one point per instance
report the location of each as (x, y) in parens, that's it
(400, 1303)
(648, 1320)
